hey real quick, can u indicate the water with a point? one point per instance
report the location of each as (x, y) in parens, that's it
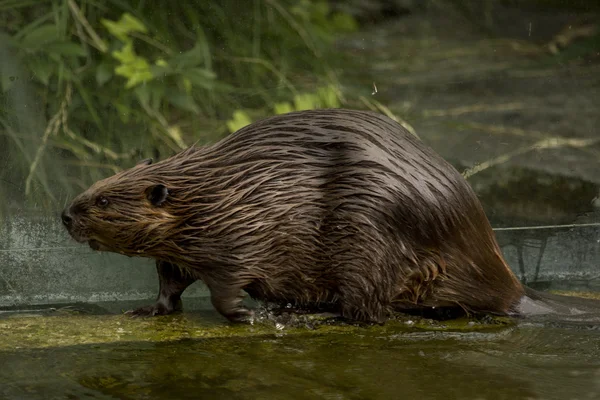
(196, 355)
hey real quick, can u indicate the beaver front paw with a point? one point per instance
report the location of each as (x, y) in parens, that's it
(151, 311)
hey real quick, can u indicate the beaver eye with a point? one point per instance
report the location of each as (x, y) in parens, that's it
(102, 201)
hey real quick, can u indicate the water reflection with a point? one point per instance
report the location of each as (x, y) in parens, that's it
(522, 362)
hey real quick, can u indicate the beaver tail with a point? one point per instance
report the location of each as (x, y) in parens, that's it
(542, 303)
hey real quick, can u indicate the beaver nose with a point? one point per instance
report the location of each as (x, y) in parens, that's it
(67, 220)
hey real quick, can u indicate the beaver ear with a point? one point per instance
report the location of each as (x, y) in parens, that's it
(157, 194)
(146, 161)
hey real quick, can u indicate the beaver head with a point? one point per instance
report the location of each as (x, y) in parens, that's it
(124, 213)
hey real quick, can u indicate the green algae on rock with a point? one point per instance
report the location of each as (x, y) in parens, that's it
(30, 331)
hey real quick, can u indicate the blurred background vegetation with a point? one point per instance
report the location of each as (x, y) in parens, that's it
(89, 87)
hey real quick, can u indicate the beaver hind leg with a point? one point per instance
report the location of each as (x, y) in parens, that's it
(226, 297)
(172, 282)
(362, 299)
(363, 309)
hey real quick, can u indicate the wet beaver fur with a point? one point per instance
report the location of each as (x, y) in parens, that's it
(336, 208)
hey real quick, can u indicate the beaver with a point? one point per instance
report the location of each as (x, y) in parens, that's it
(329, 208)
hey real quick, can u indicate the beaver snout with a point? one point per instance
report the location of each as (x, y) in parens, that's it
(70, 221)
(66, 218)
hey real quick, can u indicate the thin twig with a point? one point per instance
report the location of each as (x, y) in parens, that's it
(377, 106)
(97, 148)
(506, 130)
(526, 228)
(52, 128)
(152, 42)
(164, 125)
(453, 112)
(268, 66)
(78, 15)
(549, 143)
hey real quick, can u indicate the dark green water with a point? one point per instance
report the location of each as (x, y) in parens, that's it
(526, 361)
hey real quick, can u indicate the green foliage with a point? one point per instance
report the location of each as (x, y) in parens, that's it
(89, 87)
(124, 27)
(133, 67)
(239, 120)
(318, 14)
(326, 97)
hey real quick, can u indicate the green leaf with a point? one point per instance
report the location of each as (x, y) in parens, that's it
(42, 69)
(157, 95)
(162, 70)
(150, 95)
(114, 29)
(133, 67)
(175, 133)
(240, 119)
(39, 37)
(143, 93)
(65, 49)
(283, 108)
(200, 77)
(196, 56)
(203, 45)
(328, 97)
(187, 85)
(123, 111)
(125, 54)
(31, 25)
(136, 74)
(344, 22)
(183, 101)
(132, 23)
(191, 58)
(103, 73)
(305, 101)
(120, 29)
